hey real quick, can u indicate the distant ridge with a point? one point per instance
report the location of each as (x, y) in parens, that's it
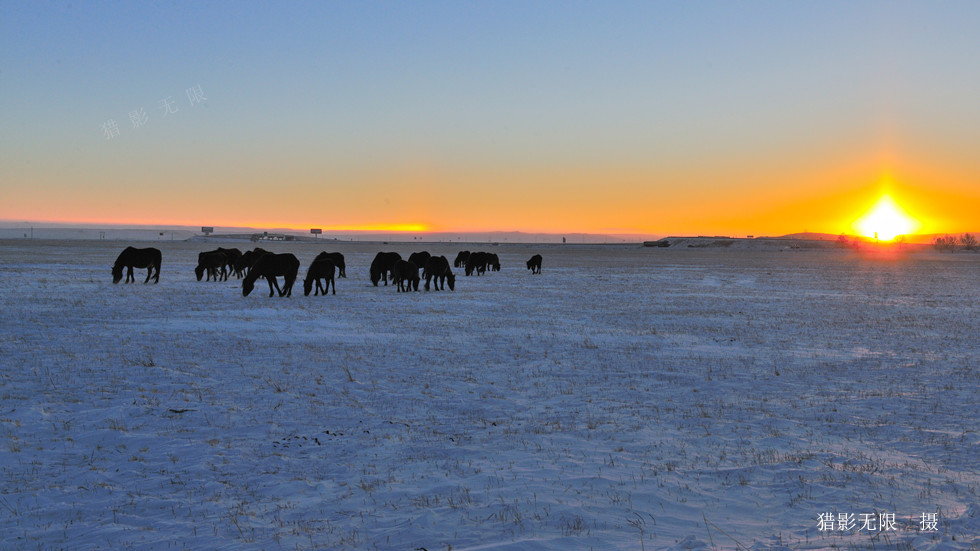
(110, 232)
(120, 232)
(814, 236)
(924, 238)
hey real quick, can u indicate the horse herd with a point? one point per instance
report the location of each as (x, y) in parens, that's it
(249, 266)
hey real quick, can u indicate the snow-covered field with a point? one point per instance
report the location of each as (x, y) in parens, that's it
(627, 398)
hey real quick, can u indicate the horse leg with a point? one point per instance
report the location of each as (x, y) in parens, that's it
(130, 278)
(271, 280)
(288, 281)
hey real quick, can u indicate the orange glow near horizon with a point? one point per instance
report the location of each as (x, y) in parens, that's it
(886, 220)
(752, 197)
(382, 228)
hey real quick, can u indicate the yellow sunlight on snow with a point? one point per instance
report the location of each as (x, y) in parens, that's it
(885, 221)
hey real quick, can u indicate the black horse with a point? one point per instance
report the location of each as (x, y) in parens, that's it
(493, 262)
(534, 264)
(137, 258)
(322, 267)
(476, 263)
(382, 266)
(406, 275)
(214, 263)
(270, 266)
(245, 262)
(338, 262)
(438, 267)
(420, 258)
(231, 260)
(461, 258)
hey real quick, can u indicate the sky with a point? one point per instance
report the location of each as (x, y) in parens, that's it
(652, 118)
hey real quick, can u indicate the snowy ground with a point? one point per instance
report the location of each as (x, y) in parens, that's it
(627, 398)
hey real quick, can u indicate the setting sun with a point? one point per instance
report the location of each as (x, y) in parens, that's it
(886, 220)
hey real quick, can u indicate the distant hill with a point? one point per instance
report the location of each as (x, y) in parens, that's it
(22, 230)
(812, 236)
(14, 230)
(923, 238)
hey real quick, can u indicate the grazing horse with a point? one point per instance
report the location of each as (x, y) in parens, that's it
(534, 264)
(419, 259)
(477, 263)
(247, 260)
(461, 258)
(137, 258)
(232, 255)
(438, 267)
(493, 262)
(338, 262)
(214, 263)
(242, 263)
(384, 264)
(322, 267)
(406, 275)
(270, 266)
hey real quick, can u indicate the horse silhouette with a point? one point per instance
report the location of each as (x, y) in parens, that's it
(461, 258)
(323, 268)
(214, 263)
(406, 275)
(493, 262)
(476, 263)
(438, 267)
(338, 262)
(420, 258)
(231, 255)
(382, 266)
(534, 264)
(131, 257)
(245, 262)
(270, 266)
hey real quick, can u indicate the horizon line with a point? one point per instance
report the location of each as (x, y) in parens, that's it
(417, 229)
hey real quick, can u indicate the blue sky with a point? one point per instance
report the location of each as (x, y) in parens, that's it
(335, 93)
